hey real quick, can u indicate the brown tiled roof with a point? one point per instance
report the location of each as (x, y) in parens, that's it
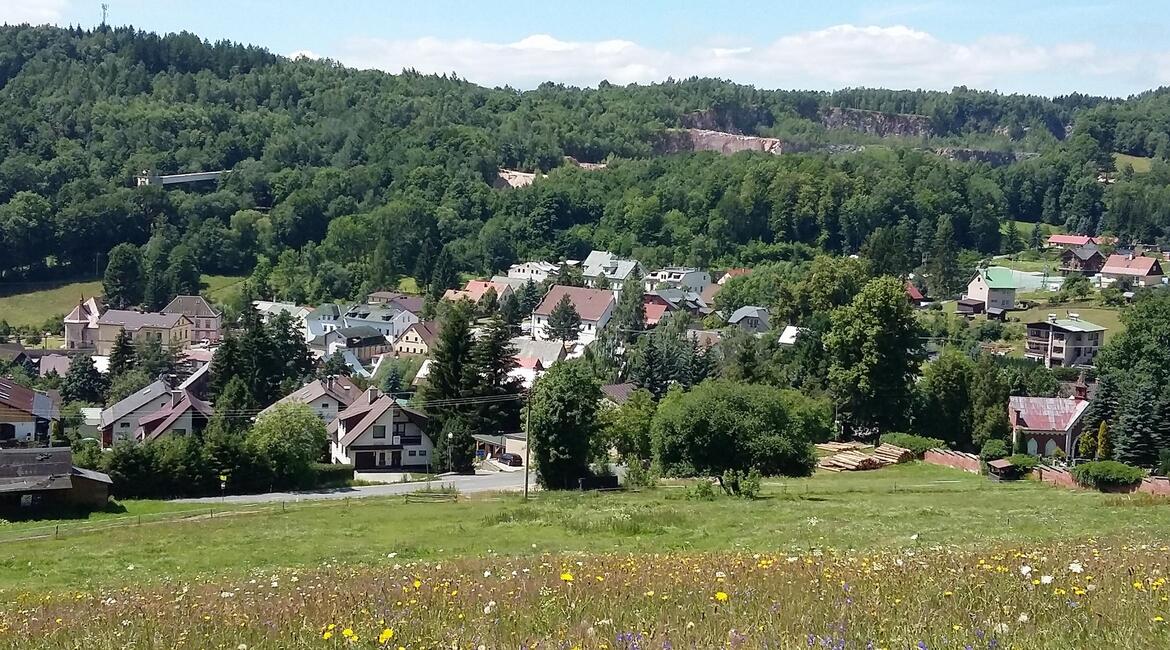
(153, 425)
(427, 330)
(589, 303)
(1136, 265)
(618, 393)
(190, 306)
(15, 396)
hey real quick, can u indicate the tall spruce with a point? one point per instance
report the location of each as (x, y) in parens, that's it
(530, 295)
(122, 355)
(564, 323)
(83, 382)
(1136, 428)
(492, 362)
(122, 283)
(630, 313)
(451, 365)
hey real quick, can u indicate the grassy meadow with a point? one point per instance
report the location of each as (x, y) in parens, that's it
(893, 557)
(54, 300)
(1140, 164)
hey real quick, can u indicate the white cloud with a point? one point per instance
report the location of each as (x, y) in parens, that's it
(842, 55)
(304, 54)
(35, 12)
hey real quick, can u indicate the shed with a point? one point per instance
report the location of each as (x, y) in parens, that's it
(1003, 470)
(46, 478)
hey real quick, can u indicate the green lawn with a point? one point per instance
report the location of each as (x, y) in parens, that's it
(868, 510)
(55, 300)
(1140, 164)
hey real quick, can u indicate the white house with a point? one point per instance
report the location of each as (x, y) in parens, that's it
(678, 277)
(81, 324)
(24, 412)
(594, 306)
(120, 421)
(750, 318)
(389, 320)
(377, 433)
(322, 320)
(325, 397)
(536, 271)
(615, 270)
(186, 414)
(995, 287)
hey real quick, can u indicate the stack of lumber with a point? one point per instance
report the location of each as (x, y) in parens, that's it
(836, 447)
(850, 461)
(893, 454)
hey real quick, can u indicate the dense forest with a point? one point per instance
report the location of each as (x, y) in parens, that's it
(344, 180)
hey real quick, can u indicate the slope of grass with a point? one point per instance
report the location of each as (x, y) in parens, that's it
(871, 510)
(1140, 164)
(34, 304)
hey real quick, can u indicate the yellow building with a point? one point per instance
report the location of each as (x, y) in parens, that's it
(168, 329)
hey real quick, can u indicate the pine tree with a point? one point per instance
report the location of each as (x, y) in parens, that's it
(1012, 242)
(451, 365)
(568, 275)
(226, 364)
(944, 275)
(182, 275)
(1136, 429)
(392, 382)
(445, 275)
(630, 314)
(492, 361)
(83, 382)
(649, 368)
(334, 366)
(122, 356)
(122, 282)
(510, 311)
(1104, 444)
(233, 409)
(564, 323)
(489, 303)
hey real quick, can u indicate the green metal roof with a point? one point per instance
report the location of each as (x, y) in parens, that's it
(997, 277)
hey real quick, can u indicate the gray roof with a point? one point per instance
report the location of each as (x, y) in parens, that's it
(191, 306)
(516, 283)
(360, 332)
(134, 320)
(747, 312)
(1072, 325)
(548, 352)
(133, 402)
(327, 309)
(599, 263)
(28, 470)
(385, 313)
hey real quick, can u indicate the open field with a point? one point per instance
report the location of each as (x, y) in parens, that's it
(1108, 317)
(56, 300)
(895, 557)
(1140, 164)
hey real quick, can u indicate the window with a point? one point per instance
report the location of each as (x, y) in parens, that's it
(324, 405)
(379, 431)
(410, 453)
(8, 432)
(124, 425)
(399, 428)
(422, 452)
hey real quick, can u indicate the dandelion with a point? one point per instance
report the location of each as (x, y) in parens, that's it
(1158, 619)
(722, 596)
(567, 577)
(328, 634)
(385, 636)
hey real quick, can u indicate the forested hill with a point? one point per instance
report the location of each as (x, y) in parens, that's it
(345, 179)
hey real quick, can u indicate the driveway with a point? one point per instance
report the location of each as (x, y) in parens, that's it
(487, 482)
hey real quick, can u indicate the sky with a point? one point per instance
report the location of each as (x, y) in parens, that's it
(1028, 46)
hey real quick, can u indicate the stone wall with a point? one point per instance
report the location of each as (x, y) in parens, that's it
(684, 140)
(1156, 485)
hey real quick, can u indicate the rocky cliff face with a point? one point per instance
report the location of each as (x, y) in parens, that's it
(993, 158)
(726, 120)
(681, 140)
(876, 123)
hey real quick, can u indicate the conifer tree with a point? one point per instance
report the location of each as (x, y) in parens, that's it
(122, 356)
(83, 382)
(1104, 444)
(564, 323)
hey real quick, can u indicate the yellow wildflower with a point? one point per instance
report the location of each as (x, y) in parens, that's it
(385, 636)
(567, 577)
(328, 635)
(347, 633)
(721, 596)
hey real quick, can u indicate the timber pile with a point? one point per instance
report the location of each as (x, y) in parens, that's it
(893, 454)
(837, 447)
(853, 460)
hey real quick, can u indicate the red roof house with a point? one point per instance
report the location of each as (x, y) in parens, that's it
(1145, 270)
(1045, 424)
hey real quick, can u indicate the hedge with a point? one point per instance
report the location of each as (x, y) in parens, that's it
(1106, 474)
(330, 474)
(917, 444)
(1024, 462)
(993, 450)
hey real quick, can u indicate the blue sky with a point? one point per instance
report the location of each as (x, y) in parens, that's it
(1043, 47)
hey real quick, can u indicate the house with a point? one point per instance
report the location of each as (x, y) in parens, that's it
(403, 301)
(325, 318)
(390, 321)
(790, 334)
(969, 307)
(13, 353)
(915, 295)
(594, 306)
(269, 310)
(120, 421)
(731, 274)
(53, 363)
(1084, 260)
(536, 271)
(185, 414)
(679, 299)
(617, 394)
(995, 287)
(363, 341)
(677, 277)
(25, 414)
(534, 358)
(1064, 342)
(615, 270)
(475, 290)
(376, 432)
(1076, 241)
(750, 318)
(419, 338)
(654, 309)
(705, 338)
(325, 397)
(1042, 425)
(1144, 271)
(81, 324)
(516, 284)
(206, 322)
(167, 329)
(46, 478)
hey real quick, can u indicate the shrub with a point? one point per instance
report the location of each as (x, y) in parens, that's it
(1164, 463)
(917, 444)
(701, 491)
(740, 484)
(638, 475)
(330, 474)
(1106, 474)
(993, 450)
(1024, 462)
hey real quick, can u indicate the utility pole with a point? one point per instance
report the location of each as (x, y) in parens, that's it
(527, 442)
(105, 11)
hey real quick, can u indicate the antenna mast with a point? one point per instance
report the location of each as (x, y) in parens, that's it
(105, 10)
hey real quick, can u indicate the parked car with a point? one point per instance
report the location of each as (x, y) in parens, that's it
(511, 460)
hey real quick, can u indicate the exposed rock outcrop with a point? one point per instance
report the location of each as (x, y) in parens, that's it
(726, 120)
(876, 122)
(680, 140)
(511, 178)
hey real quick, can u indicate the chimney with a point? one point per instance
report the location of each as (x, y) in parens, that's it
(329, 382)
(176, 397)
(1081, 389)
(372, 395)
(1019, 418)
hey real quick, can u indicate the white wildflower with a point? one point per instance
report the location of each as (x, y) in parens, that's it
(1045, 580)
(1076, 567)
(1025, 570)
(1023, 618)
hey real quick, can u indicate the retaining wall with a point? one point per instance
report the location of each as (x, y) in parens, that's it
(955, 459)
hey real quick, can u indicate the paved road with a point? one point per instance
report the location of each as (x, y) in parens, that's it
(487, 482)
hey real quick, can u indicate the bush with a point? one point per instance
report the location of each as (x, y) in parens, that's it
(917, 444)
(993, 450)
(638, 475)
(1024, 462)
(701, 491)
(1106, 474)
(1164, 463)
(739, 484)
(329, 474)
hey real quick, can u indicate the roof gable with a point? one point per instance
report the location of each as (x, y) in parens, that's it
(998, 277)
(590, 304)
(1047, 413)
(191, 306)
